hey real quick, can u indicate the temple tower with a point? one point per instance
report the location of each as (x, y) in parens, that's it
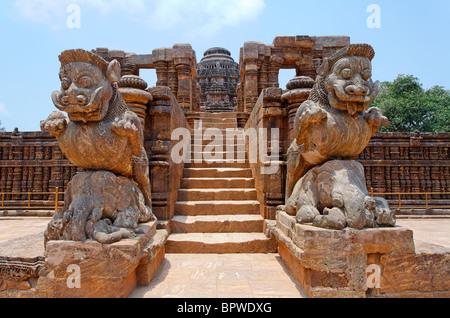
(218, 76)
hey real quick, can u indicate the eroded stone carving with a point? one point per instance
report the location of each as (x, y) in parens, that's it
(337, 188)
(331, 129)
(101, 136)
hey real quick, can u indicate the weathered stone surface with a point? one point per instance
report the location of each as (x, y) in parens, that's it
(106, 270)
(334, 124)
(368, 241)
(220, 243)
(100, 134)
(334, 195)
(333, 263)
(424, 272)
(100, 206)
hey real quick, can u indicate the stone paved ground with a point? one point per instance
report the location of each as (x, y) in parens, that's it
(22, 237)
(222, 276)
(213, 275)
(429, 234)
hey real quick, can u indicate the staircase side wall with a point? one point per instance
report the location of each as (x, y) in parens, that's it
(164, 116)
(269, 171)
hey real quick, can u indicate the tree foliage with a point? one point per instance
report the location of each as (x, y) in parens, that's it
(1, 128)
(409, 107)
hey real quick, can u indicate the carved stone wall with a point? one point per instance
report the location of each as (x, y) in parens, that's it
(409, 163)
(393, 162)
(269, 113)
(32, 162)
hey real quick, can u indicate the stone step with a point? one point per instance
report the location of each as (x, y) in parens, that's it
(223, 164)
(222, 127)
(194, 208)
(225, 121)
(217, 194)
(221, 154)
(219, 109)
(225, 141)
(217, 224)
(217, 183)
(220, 243)
(218, 115)
(217, 173)
(222, 119)
(222, 150)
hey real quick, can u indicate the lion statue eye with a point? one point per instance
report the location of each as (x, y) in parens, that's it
(346, 73)
(85, 81)
(366, 74)
(65, 83)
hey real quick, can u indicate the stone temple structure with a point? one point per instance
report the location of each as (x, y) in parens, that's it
(218, 76)
(115, 221)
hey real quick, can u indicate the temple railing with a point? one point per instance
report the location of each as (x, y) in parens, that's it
(31, 200)
(426, 200)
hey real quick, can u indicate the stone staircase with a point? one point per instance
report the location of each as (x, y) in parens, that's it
(217, 209)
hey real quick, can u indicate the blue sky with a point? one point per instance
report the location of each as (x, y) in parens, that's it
(414, 37)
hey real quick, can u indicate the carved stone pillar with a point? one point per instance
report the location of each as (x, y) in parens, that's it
(240, 98)
(184, 93)
(263, 80)
(158, 148)
(38, 174)
(172, 78)
(196, 96)
(162, 73)
(250, 85)
(274, 70)
(3, 174)
(132, 88)
(299, 89)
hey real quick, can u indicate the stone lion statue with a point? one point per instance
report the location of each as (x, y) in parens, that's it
(335, 124)
(100, 135)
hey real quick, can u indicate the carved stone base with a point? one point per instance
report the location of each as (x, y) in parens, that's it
(93, 270)
(334, 263)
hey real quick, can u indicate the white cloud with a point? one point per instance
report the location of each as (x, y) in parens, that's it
(3, 111)
(206, 16)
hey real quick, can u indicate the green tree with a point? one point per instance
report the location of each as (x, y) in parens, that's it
(409, 107)
(1, 128)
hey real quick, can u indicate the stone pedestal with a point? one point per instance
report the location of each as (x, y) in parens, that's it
(93, 270)
(339, 263)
